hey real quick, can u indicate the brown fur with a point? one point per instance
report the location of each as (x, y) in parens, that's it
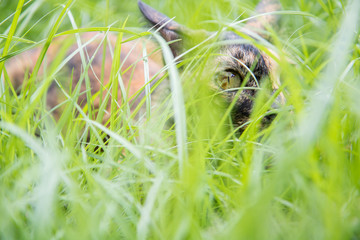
(132, 69)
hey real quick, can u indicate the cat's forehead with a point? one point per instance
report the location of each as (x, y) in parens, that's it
(240, 56)
(235, 49)
(237, 46)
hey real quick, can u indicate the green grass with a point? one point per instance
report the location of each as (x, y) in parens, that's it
(297, 179)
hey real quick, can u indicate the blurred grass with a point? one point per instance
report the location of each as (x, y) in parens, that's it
(297, 179)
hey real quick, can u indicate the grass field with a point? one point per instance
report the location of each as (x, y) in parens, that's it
(297, 179)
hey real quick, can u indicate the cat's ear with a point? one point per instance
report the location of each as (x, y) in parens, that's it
(170, 30)
(264, 16)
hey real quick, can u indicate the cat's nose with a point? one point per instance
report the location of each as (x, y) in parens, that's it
(279, 101)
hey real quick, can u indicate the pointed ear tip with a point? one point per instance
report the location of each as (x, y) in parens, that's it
(141, 4)
(144, 8)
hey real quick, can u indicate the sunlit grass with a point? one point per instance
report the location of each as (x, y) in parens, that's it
(299, 178)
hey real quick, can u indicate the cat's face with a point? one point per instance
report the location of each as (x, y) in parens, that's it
(239, 69)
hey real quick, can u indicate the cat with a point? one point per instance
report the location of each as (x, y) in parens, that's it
(237, 64)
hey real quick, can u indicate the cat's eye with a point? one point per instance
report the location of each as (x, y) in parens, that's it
(228, 80)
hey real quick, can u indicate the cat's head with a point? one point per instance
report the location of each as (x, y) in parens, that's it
(238, 69)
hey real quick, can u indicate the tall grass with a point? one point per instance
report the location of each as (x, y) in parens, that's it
(299, 178)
